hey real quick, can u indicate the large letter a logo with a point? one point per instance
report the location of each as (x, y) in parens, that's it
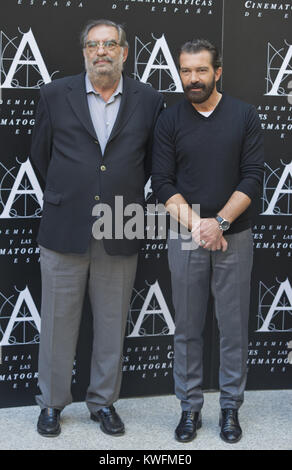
(160, 70)
(28, 69)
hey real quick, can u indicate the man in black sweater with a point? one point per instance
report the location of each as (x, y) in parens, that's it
(208, 150)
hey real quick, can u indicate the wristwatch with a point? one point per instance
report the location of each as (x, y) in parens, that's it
(223, 223)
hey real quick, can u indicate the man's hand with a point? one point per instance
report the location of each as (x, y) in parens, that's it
(209, 231)
(224, 244)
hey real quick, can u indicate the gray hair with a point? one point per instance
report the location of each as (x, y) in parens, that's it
(93, 23)
(198, 45)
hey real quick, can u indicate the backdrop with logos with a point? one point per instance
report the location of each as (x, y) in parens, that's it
(39, 43)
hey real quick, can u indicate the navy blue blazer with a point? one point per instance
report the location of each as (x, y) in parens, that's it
(66, 152)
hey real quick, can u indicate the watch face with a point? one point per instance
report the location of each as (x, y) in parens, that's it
(225, 225)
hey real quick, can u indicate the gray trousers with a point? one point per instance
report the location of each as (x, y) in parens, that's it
(64, 279)
(192, 273)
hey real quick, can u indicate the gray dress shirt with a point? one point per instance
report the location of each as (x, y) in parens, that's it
(103, 114)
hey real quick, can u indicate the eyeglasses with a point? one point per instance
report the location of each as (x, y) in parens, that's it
(95, 45)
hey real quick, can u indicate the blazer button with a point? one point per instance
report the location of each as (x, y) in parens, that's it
(103, 167)
(97, 198)
(96, 142)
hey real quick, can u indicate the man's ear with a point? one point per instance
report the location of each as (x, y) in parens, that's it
(218, 73)
(125, 53)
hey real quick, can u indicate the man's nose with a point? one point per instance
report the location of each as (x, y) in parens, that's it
(100, 50)
(194, 77)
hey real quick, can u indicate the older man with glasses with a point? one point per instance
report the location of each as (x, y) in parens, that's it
(91, 143)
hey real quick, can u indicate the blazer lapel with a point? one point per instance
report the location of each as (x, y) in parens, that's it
(129, 101)
(78, 101)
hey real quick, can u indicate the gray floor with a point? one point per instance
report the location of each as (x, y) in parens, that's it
(266, 419)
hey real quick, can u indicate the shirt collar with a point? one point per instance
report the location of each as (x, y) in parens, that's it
(89, 87)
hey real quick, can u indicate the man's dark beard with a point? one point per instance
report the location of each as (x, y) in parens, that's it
(199, 96)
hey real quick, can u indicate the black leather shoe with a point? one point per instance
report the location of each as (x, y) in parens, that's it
(49, 422)
(230, 429)
(187, 428)
(110, 422)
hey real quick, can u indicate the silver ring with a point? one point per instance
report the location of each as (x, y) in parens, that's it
(203, 242)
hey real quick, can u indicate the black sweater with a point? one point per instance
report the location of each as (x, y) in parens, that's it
(206, 159)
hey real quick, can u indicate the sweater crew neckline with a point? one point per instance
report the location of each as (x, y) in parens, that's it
(200, 115)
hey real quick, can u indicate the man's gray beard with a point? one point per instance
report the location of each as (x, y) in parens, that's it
(104, 78)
